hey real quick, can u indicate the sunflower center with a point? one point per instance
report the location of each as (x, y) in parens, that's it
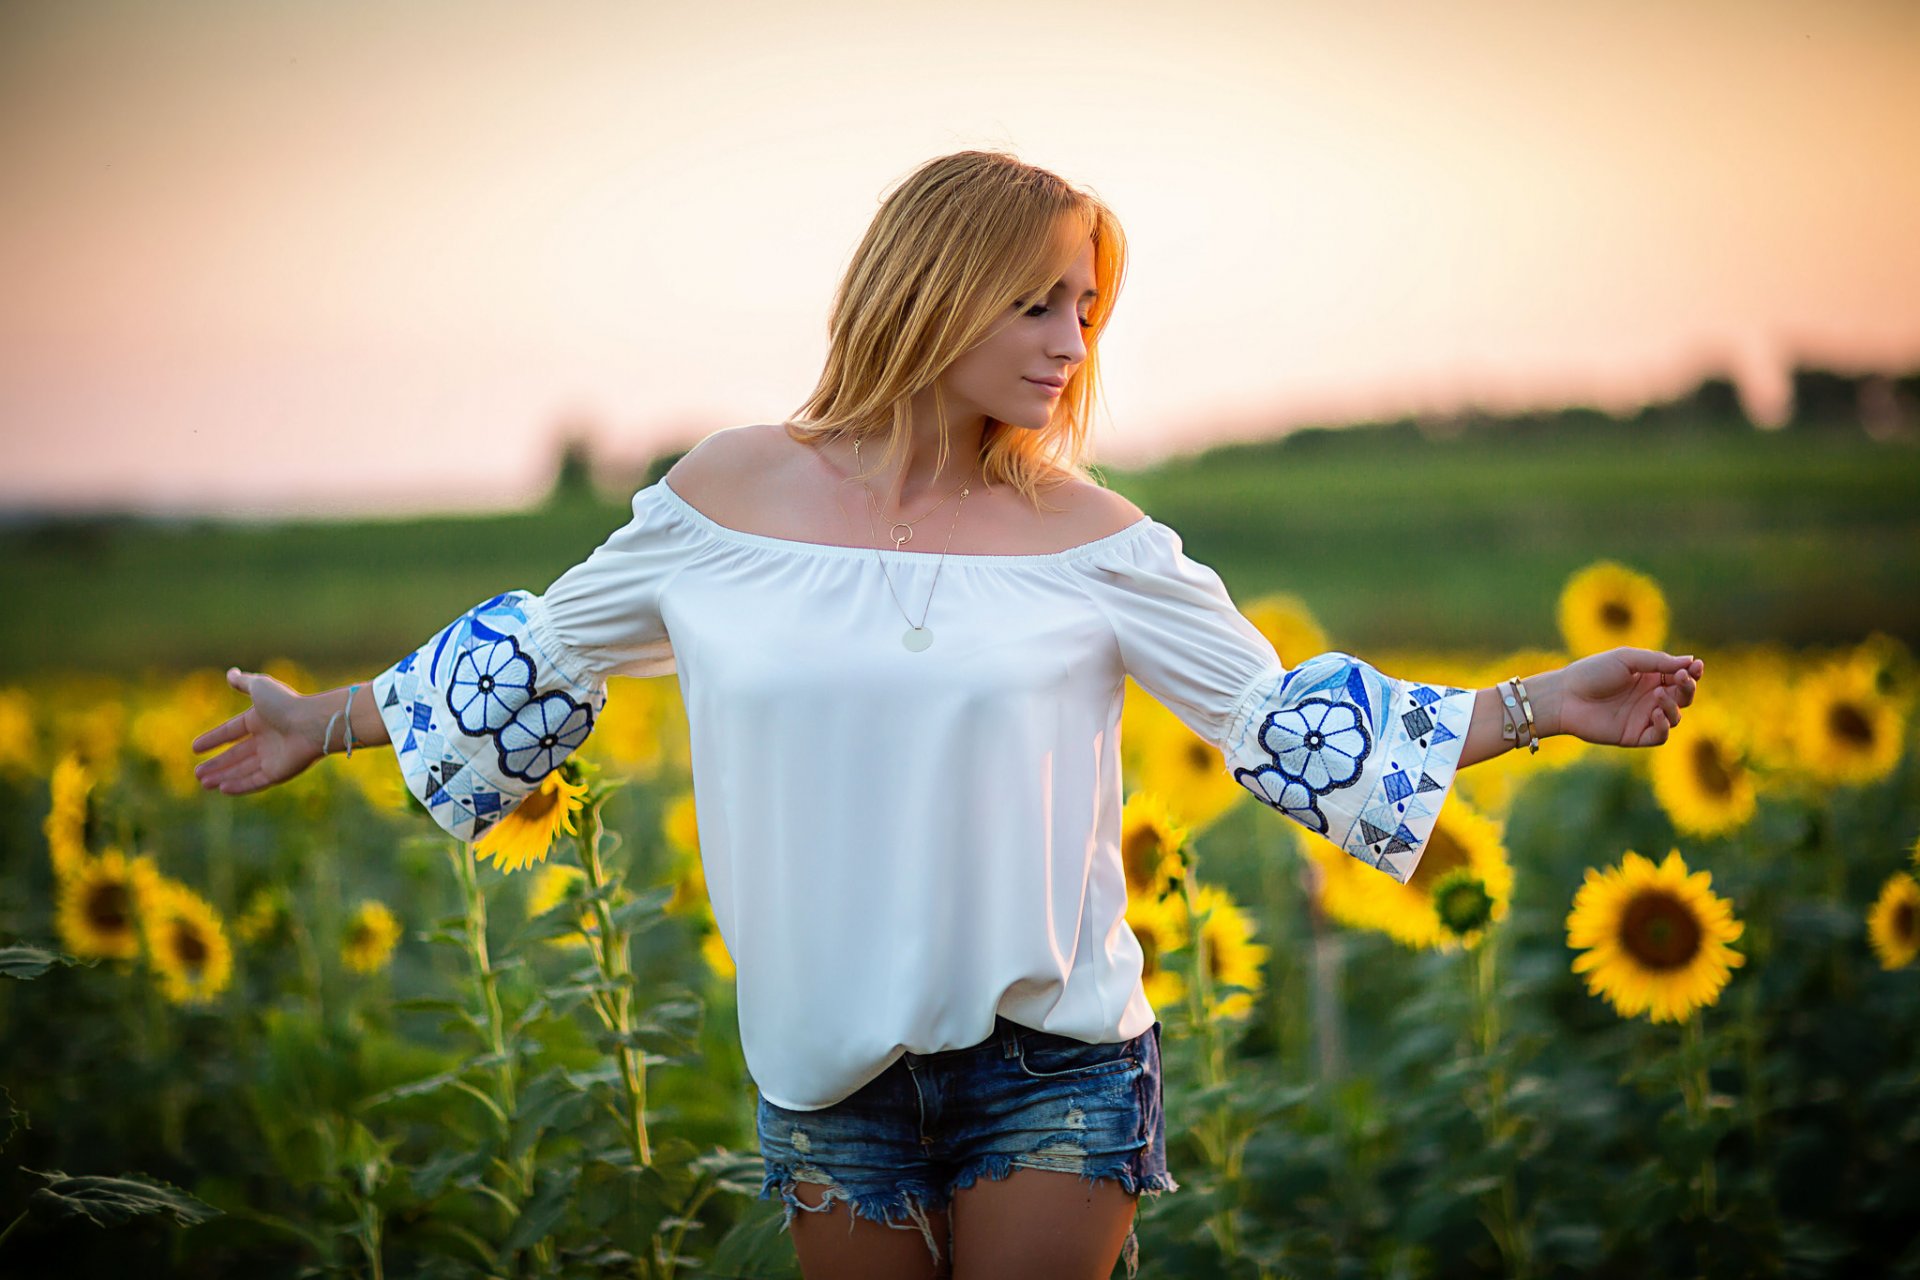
(1199, 758)
(538, 806)
(1659, 932)
(1846, 722)
(1443, 854)
(1615, 615)
(1903, 922)
(1710, 771)
(359, 937)
(110, 907)
(189, 948)
(1140, 853)
(1149, 952)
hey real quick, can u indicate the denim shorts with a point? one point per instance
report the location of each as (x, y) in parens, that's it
(932, 1124)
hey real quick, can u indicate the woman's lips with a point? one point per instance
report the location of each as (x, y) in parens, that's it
(1047, 387)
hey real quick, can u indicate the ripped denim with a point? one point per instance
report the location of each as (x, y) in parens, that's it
(931, 1125)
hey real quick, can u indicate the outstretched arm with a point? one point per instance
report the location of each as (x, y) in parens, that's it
(282, 733)
(1620, 698)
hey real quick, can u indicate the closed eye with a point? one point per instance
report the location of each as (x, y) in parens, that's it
(1039, 309)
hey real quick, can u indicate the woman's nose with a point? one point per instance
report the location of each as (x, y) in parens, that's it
(1069, 341)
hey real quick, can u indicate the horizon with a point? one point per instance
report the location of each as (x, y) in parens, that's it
(314, 258)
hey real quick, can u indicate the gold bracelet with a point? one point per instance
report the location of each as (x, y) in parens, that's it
(1533, 731)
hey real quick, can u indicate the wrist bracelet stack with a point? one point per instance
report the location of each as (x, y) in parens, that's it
(326, 739)
(1510, 728)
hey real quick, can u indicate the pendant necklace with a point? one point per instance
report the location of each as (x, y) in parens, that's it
(917, 636)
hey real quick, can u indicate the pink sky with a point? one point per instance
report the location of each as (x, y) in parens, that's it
(344, 257)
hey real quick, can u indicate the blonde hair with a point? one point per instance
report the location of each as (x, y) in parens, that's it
(962, 239)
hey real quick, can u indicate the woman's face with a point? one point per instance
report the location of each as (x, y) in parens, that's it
(1005, 376)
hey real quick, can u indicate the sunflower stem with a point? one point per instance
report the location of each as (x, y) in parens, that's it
(1696, 1089)
(610, 954)
(1503, 1209)
(1216, 1136)
(11, 1225)
(487, 980)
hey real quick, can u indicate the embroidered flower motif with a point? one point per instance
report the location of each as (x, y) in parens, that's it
(1289, 795)
(542, 734)
(489, 684)
(1318, 743)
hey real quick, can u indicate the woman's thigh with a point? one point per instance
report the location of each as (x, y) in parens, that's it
(836, 1244)
(1041, 1225)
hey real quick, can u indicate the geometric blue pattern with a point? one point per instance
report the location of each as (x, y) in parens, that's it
(1351, 754)
(482, 713)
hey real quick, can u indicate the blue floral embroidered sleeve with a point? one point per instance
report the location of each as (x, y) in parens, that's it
(500, 696)
(1339, 747)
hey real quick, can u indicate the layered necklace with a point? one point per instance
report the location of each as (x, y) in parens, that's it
(917, 636)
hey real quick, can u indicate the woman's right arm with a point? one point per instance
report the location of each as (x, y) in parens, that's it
(283, 732)
(491, 703)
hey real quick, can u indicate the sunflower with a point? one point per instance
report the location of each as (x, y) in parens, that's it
(1359, 896)
(1159, 927)
(1893, 925)
(1160, 754)
(1463, 904)
(265, 908)
(186, 945)
(66, 823)
(1151, 839)
(524, 836)
(680, 824)
(1233, 959)
(1606, 605)
(1700, 775)
(1845, 730)
(1751, 687)
(1289, 627)
(1653, 940)
(551, 885)
(370, 938)
(100, 904)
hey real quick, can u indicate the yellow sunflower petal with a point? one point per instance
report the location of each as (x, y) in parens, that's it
(371, 935)
(1846, 730)
(100, 902)
(1361, 897)
(1700, 775)
(186, 943)
(524, 835)
(1606, 605)
(1233, 958)
(1893, 923)
(1653, 939)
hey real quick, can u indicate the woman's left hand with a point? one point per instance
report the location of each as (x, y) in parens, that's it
(1625, 697)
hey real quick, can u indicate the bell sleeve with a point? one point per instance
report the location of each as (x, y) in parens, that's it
(1334, 744)
(494, 701)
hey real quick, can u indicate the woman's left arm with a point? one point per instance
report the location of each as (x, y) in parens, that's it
(1620, 698)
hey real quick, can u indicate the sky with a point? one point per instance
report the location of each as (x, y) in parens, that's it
(343, 257)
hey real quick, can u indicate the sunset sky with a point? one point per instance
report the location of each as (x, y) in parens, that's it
(329, 258)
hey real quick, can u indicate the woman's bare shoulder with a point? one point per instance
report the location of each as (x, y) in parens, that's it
(716, 468)
(1092, 510)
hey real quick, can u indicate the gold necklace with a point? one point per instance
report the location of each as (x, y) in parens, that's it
(917, 635)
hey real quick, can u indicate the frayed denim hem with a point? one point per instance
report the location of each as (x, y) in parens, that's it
(995, 1167)
(886, 1208)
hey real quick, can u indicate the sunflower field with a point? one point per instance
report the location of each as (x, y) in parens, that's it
(1638, 1012)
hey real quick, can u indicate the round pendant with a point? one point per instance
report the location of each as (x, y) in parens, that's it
(916, 638)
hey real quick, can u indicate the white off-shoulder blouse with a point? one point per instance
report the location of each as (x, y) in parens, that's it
(900, 845)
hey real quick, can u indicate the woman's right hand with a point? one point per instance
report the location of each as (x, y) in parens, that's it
(273, 740)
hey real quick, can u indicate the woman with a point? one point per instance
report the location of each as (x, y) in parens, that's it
(905, 757)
